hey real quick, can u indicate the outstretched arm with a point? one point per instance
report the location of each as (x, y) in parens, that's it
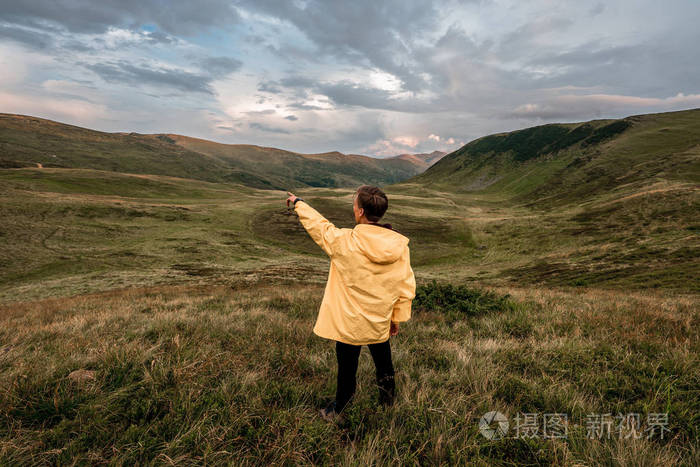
(321, 230)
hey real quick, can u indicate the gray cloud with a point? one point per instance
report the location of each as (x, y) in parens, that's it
(349, 94)
(654, 68)
(458, 77)
(466, 74)
(268, 128)
(41, 38)
(571, 106)
(254, 113)
(371, 130)
(379, 34)
(551, 110)
(303, 106)
(297, 82)
(159, 37)
(88, 16)
(292, 118)
(78, 46)
(269, 86)
(38, 40)
(294, 54)
(123, 72)
(527, 38)
(344, 94)
(597, 9)
(220, 66)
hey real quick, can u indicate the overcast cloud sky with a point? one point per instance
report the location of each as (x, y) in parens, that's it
(377, 77)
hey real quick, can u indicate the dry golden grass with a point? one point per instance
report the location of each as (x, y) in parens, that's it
(214, 374)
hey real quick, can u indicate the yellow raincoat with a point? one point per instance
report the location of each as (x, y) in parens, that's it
(370, 282)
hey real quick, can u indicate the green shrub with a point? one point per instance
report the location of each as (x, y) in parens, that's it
(461, 299)
(607, 132)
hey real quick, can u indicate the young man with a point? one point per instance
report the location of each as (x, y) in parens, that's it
(369, 291)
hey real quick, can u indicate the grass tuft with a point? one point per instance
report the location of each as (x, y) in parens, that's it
(462, 300)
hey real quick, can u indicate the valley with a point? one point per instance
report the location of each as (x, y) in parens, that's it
(189, 302)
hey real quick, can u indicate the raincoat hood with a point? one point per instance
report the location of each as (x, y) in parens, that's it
(379, 243)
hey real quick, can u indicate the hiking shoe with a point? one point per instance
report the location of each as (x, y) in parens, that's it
(329, 414)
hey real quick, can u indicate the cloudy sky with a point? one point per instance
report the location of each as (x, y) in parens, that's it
(377, 77)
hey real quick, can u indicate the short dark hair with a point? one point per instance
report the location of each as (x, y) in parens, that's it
(373, 201)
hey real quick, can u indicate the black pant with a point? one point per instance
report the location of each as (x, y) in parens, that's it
(348, 356)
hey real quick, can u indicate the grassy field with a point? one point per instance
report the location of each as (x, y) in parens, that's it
(149, 319)
(214, 374)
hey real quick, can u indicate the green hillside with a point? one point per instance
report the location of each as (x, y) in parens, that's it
(559, 164)
(610, 202)
(34, 142)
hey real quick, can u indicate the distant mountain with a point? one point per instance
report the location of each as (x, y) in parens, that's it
(424, 160)
(31, 141)
(558, 164)
(282, 168)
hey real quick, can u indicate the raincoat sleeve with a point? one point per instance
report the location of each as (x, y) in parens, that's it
(407, 292)
(321, 230)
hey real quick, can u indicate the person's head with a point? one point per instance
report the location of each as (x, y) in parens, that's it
(369, 204)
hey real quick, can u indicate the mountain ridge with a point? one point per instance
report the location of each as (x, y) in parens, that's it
(27, 141)
(422, 159)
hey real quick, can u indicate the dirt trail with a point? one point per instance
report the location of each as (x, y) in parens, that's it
(487, 218)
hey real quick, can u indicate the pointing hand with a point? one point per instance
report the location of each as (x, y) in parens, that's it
(291, 198)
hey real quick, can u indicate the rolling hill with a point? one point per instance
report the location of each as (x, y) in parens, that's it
(35, 142)
(559, 164)
(284, 168)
